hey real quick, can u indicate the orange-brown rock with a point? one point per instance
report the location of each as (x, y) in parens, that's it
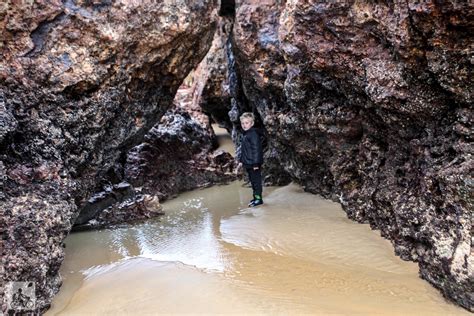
(81, 82)
(370, 103)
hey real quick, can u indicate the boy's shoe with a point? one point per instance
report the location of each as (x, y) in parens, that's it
(256, 202)
(253, 199)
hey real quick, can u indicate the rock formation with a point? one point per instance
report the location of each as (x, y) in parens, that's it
(81, 82)
(365, 102)
(370, 103)
(116, 204)
(177, 155)
(211, 84)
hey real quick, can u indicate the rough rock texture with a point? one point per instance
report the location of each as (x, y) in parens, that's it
(370, 102)
(117, 204)
(177, 155)
(183, 102)
(211, 80)
(179, 152)
(216, 91)
(81, 82)
(272, 171)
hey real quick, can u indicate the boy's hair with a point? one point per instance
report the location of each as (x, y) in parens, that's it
(248, 115)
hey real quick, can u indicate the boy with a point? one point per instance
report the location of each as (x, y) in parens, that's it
(251, 156)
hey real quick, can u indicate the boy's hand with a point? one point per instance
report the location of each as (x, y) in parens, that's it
(238, 170)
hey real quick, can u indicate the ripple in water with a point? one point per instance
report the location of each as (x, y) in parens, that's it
(296, 254)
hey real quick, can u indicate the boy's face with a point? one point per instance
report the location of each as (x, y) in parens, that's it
(246, 124)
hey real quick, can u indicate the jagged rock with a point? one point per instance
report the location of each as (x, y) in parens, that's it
(135, 207)
(177, 156)
(370, 103)
(100, 209)
(81, 82)
(366, 102)
(211, 84)
(103, 200)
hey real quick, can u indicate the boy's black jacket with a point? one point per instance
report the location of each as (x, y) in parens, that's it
(251, 153)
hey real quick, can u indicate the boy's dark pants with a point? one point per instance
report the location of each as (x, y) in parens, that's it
(255, 177)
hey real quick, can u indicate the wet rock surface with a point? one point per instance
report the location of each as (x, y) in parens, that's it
(117, 204)
(81, 83)
(178, 155)
(211, 80)
(367, 103)
(370, 103)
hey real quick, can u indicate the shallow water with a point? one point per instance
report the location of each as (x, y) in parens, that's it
(224, 139)
(209, 254)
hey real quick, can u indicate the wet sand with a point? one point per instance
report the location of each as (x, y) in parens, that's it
(296, 254)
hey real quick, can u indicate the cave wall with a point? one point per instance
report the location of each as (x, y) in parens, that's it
(81, 82)
(365, 102)
(180, 152)
(177, 155)
(370, 103)
(211, 84)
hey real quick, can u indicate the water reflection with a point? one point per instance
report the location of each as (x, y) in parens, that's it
(295, 254)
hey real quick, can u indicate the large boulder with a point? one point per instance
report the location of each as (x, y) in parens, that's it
(178, 155)
(81, 82)
(370, 103)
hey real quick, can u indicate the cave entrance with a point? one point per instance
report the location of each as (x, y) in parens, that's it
(210, 111)
(224, 139)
